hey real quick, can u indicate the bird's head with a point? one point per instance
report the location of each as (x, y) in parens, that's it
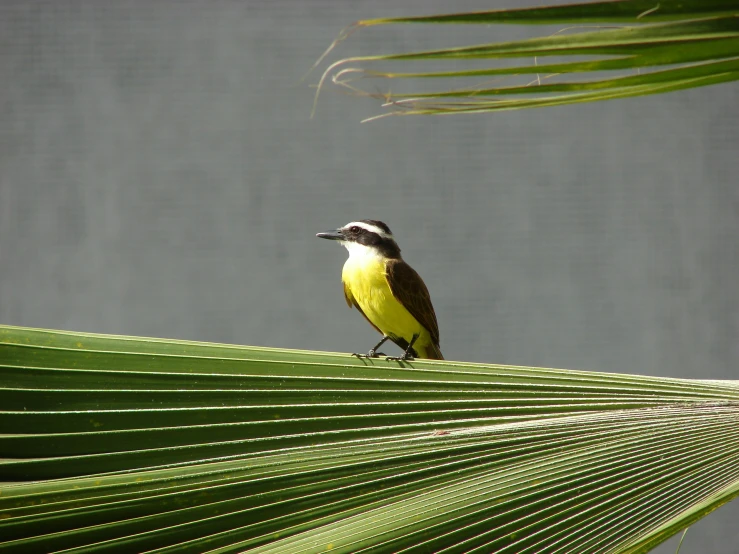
(366, 237)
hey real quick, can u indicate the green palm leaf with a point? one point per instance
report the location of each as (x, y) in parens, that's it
(657, 48)
(121, 444)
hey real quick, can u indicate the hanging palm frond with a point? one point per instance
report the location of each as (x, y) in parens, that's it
(640, 47)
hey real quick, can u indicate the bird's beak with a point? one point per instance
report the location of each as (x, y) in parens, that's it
(331, 235)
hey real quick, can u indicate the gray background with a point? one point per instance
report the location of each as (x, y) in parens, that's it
(160, 176)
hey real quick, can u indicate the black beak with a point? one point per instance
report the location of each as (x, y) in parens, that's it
(331, 235)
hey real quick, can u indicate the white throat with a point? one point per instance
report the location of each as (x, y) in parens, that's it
(361, 253)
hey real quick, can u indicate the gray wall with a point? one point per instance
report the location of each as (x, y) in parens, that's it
(160, 175)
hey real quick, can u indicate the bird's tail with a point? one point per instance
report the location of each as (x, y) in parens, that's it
(431, 352)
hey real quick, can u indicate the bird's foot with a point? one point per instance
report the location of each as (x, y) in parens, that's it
(408, 354)
(370, 354)
(407, 357)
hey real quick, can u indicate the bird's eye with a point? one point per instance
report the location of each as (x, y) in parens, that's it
(354, 229)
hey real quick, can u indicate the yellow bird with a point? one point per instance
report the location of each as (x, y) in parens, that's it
(386, 290)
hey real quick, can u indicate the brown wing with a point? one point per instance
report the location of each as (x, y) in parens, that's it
(350, 301)
(410, 290)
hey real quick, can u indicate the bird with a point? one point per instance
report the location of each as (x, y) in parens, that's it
(386, 290)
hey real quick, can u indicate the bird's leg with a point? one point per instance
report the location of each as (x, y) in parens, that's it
(373, 353)
(407, 354)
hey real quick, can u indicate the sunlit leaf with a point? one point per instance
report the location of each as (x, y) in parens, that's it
(121, 444)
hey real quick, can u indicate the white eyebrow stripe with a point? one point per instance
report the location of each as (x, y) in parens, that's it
(370, 228)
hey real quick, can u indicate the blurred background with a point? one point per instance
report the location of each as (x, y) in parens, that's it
(160, 175)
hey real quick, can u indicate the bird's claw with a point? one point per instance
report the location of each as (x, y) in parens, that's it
(404, 358)
(370, 354)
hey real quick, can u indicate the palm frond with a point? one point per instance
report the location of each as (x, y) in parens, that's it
(656, 48)
(123, 444)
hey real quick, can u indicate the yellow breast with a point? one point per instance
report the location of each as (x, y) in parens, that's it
(365, 279)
